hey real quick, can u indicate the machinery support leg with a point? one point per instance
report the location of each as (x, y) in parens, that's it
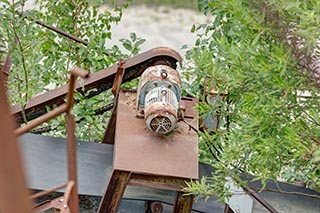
(114, 192)
(182, 203)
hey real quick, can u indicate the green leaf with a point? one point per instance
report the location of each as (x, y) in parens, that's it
(126, 44)
(133, 37)
(140, 42)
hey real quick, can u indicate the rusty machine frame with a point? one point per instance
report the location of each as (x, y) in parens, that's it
(35, 108)
(14, 197)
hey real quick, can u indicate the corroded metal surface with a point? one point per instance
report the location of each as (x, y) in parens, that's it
(118, 77)
(160, 73)
(183, 202)
(158, 98)
(157, 181)
(142, 151)
(156, 76)
(161, 118)
(100, 81)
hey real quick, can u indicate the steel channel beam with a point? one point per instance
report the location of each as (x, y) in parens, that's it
(157, 181)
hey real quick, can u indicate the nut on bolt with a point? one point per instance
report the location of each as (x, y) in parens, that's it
(164, 73)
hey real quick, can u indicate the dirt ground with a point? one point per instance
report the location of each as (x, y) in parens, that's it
(160, 26)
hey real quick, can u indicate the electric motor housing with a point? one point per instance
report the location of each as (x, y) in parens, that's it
(158, 98)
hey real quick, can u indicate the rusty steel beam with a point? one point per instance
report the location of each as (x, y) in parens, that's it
(117, 184)
(157, 181)
(182, 203)
(120, 179)
(66, 107)
(101, 81)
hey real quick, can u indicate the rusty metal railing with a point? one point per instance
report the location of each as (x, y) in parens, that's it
(70, 201)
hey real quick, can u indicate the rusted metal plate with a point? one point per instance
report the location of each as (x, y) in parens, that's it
(141, 151)
(101, 81)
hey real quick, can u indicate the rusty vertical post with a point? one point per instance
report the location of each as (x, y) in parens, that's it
(71, 147)
(13, 191)
(117, 184)
(72, 162)
(182, 203)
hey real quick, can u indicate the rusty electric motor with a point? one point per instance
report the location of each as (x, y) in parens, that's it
(158, 98)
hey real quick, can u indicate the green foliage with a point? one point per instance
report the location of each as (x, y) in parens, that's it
(274, 132)
(133, 45)
(41, 59)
